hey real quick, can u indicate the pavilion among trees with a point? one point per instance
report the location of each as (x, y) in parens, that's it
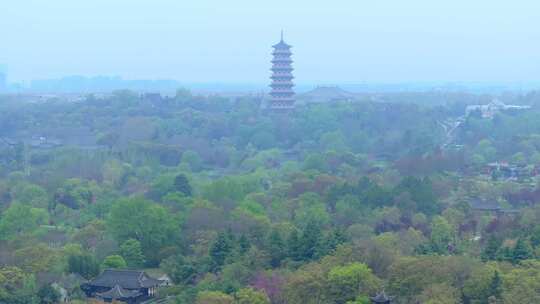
(130, 286)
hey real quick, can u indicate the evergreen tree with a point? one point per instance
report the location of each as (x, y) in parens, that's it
(180, 270)
(181, 184)
(85, 265)
(330, 242)
(220, 250)
(294, 247)
(495, 287)
(243, 244)
(505, 254)
(48, 295)
(522, 251)
(310, 240)
(276, 248)
(131, 251)
(535, 236)
(491, 249)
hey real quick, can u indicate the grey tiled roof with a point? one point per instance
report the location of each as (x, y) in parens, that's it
(117, 292)
(381, 298)
(128, 279)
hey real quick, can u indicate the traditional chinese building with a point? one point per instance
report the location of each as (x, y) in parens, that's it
(282, 93)
(130, 286)
(381, 298)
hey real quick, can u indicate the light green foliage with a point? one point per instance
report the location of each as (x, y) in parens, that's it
(230, 188)
(152, 225)
(410, 276)
(251, 296)
(521, 284)
(263, 140)
(360, 300)
(113, 261)
(162, 186)
(442, 235)
(349, 210)
(17, 287)
(486, 150)
(349, 281)
(75, 193)
(31, 195)
(330, 203)
(307, 285)
(113, 172)
(315, 162)
(19, 219)
(477, 288)
(333, 141)
(37, 259)
(193, 160)
(262, 159)
(440, 294)
(213, 297)
(311, 208)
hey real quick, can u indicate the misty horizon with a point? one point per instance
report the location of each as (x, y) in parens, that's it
(210, 42)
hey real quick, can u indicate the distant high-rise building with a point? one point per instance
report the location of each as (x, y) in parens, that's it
(282, 93)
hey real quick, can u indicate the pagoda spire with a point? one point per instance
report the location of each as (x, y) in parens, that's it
(282, 93)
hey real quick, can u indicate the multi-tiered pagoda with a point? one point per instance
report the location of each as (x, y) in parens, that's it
(282, 94)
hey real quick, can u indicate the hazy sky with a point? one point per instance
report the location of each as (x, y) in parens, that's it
(229, 41)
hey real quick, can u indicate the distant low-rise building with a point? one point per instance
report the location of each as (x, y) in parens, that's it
(506, 171)
(324, 94)
(381, 298)
(484, 207)
(129, 286)
(153, 98)
(489, 110)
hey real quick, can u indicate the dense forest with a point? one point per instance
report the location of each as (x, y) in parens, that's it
(329, 203)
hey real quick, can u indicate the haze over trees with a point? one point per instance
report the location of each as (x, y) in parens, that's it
(330, 203)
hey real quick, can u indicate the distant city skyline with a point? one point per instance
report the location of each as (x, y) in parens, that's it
(209, 41)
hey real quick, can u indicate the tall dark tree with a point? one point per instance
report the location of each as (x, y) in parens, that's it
(243, 244)
(492, 247)
(331, 240)
(48, 295)
(220, 250)
(535, 236)
(495, 286)
(310, 240)
(522, 251)
(131, 251)
(180, 270)
(85, 265)
(421, 192)
(276, 248)
(294, 247)
(181, 184)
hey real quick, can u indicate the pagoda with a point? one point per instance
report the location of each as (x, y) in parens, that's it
(282, 93)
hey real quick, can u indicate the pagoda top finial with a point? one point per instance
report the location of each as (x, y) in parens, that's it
(282, 44)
